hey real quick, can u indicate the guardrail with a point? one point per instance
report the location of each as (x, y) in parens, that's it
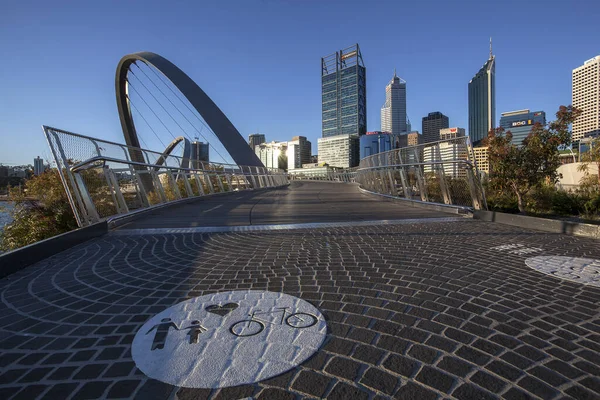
(441, 172)
(103, 179)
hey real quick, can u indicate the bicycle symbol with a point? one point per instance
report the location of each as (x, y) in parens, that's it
(255, 325)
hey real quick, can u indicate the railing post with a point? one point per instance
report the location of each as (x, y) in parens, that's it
(473, 189)
(405, 188)
(90, 208)
(419, 177)
(158, 185)
(188, 188)
(199, 184)
(118, 196)
(442, 176)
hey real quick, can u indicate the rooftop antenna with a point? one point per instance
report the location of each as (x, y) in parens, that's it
(491, 48)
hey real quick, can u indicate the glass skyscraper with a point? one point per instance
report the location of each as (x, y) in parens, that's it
(482, 100)
(344, 93)
(520, 122)
(393, 112)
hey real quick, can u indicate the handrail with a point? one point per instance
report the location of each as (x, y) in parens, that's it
(467, 162)
(81, 166)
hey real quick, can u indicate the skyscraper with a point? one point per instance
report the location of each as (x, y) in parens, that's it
(344, 94)
(482, 100)
(431, 126)
(38, 165)
(520, 122)
(586, 97)
(298, 152)
(393, 112)
(200, 152)
(255, 139)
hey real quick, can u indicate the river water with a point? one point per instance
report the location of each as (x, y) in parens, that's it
(5, 208)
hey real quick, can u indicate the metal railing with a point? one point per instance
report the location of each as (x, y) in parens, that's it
(103, 179)
(316, 174)
(441, 172)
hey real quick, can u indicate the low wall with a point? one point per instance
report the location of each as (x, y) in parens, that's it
(16, 260)
(541, 224)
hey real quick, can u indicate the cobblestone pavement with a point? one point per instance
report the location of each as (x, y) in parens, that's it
(421, 310)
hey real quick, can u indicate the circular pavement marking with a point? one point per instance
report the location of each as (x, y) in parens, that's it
(228, 339)
(575, 269)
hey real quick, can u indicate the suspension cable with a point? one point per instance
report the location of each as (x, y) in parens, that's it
(193, 112)
(149, 126)
(182, 114)
(153, 112)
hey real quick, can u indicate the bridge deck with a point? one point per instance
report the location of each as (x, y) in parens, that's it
(428, 310)
(306, 202)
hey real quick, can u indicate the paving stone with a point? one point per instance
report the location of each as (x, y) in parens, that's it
(369, 354)
(488, 382)
(580, 393)
(504, 370)
(343, 368)
(516, 394)
(35, 375)
(470, 354)
(30, 392)
(401, 365)
(60, 391)
(90, 371)
(537, 387)
(379, 380)
(236, 392)
(311, 383)
(435, 379)
(343, 391)
(591, 383)
(423, 353)
(412, 391)
(468, 391)
(154, 390)
(455, 366)
(90, 390)
(123, 389)
(276, 394)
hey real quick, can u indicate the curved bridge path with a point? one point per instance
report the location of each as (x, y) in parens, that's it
(420, 305)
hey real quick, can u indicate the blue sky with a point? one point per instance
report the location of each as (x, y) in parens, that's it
(260, 60)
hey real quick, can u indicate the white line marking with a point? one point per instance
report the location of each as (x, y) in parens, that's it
(214, 208)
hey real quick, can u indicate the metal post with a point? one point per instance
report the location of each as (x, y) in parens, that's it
(442, 177)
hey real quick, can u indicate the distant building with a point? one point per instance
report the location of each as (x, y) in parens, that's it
(447, 152)
(200, 152)
(586, 97)
(344, 93)
(255, 139)
(393, 112)
(272, 154)
(314, 159)
(377, 142)
(38, 166)
(482, 100)
(298, 152)
(482, 159)
(451, 133)
(431, 126)
(520, 122)
(339, 151)
(413, 138)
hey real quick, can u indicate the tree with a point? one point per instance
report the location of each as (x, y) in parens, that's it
(40, 212)
(591, 157)
(520, 169)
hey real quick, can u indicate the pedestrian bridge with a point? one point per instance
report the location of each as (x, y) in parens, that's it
(235, 281)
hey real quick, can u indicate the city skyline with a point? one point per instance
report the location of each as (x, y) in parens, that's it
(39, 86)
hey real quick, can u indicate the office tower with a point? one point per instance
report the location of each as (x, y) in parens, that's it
(255, 139)
(200, 152)
(272, 154)
(482, 100)
(344, 95)
(378, 142)
(451, 133)
(431, 126)
(413, 138)
(520, 122)
(38, 165)
(298, 152)
(393, 112)
(482, 159)
(586, 97)
(339, 151)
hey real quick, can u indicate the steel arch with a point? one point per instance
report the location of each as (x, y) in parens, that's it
(185, 156)
(229, 136)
